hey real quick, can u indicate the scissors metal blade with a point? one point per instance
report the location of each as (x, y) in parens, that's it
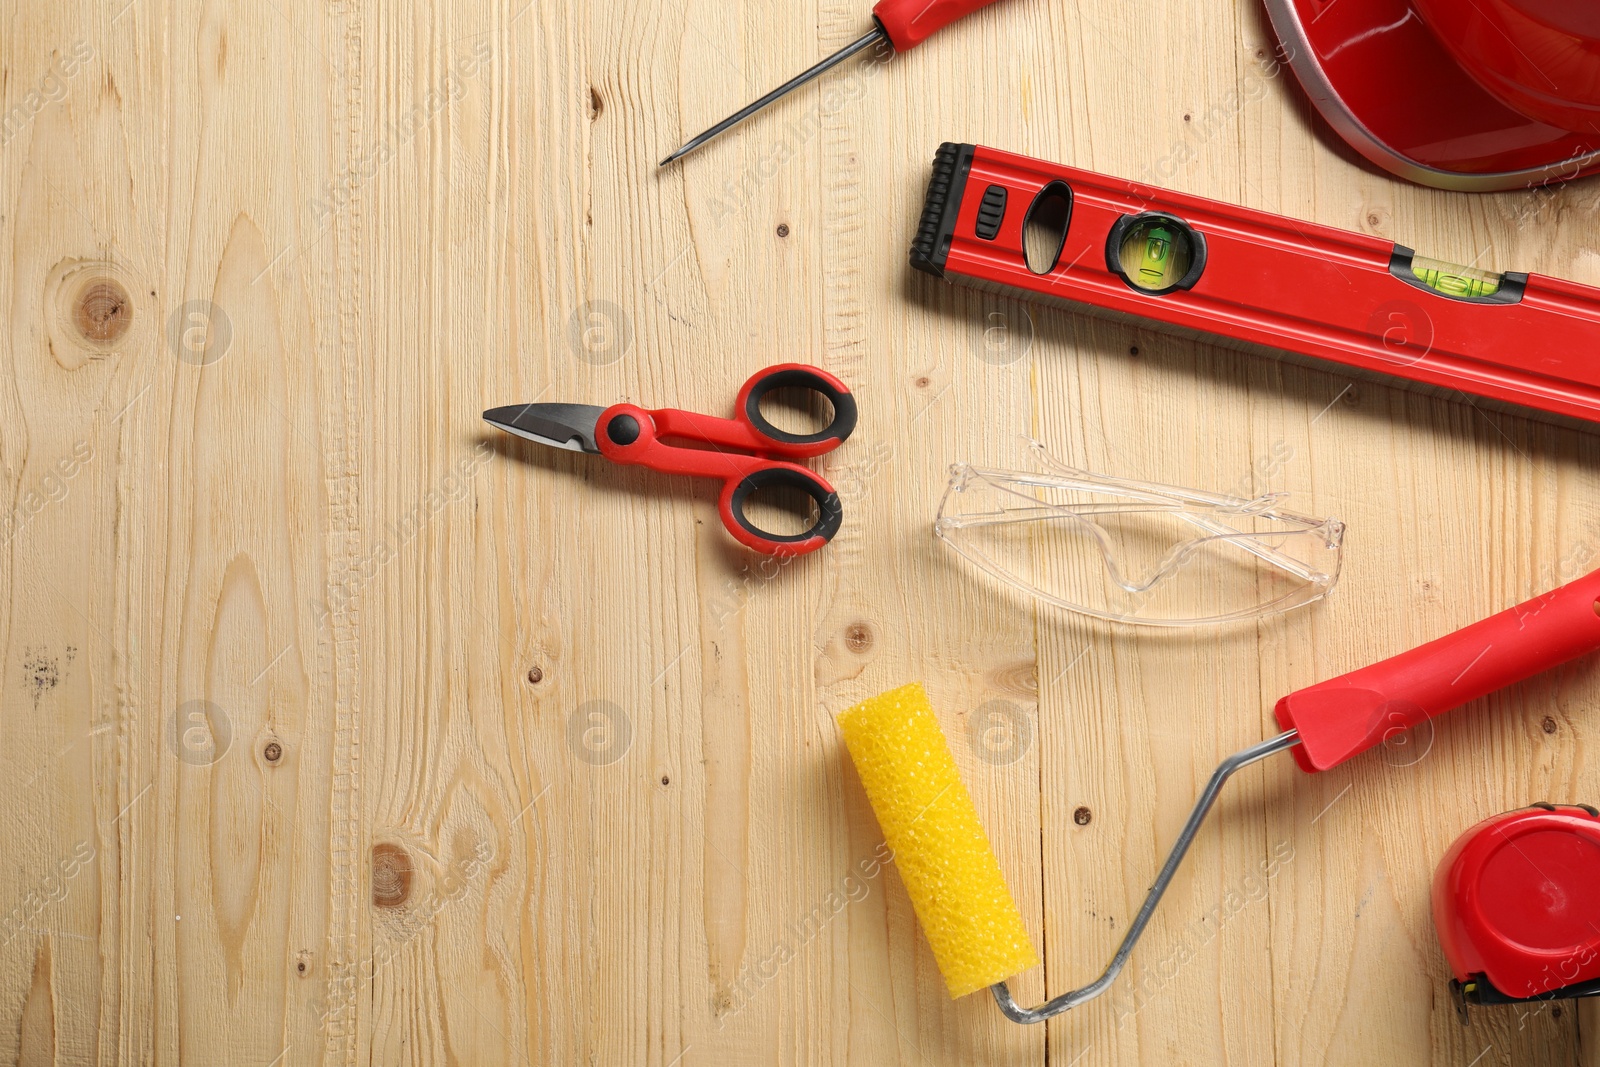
(569, 426)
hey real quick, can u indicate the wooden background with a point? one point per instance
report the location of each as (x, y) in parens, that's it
(337, 729)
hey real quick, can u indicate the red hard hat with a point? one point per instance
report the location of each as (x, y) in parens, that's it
(1493, 94)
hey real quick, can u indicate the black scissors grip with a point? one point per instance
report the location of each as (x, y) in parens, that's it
(794, 376)
(830, 513)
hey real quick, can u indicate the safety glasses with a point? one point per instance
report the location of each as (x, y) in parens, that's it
(1137, 552)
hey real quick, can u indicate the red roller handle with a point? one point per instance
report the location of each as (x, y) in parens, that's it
(910, 22)
(1345, 716)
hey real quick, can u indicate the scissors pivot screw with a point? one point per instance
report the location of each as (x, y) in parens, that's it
(624, 429)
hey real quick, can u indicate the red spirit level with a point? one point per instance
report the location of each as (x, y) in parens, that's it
(1191, 265)
(1516, 902)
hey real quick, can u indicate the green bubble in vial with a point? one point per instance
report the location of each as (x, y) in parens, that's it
(1453, 280)
(1157, 256)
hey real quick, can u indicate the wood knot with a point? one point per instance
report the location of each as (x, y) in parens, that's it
(783, 229)
(597, 106)
(858, 637)
(273, 752)
(1549, 725)
(391, 875)
(535, 675)
(91, 310)
(102, 310)
(1083, 816)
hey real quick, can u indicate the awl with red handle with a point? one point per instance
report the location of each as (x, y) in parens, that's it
(903, 24)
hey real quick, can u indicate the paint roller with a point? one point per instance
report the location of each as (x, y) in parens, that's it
(951, 873)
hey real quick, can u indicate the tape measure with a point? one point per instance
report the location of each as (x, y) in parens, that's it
(1254, 279)
(1516, 903)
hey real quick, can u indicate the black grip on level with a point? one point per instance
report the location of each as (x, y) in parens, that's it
(940, 207)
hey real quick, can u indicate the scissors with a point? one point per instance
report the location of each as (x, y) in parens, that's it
(746, 452)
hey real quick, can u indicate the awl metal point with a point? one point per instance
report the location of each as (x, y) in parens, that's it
(902, 23)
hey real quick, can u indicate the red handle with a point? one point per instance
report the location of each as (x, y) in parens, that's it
(749, 430)
(910, 22)
(627, 433)
(1345, 716)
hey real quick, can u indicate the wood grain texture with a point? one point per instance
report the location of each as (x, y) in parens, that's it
(336, 729)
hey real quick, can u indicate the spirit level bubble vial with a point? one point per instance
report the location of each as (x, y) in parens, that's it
(1249, 278)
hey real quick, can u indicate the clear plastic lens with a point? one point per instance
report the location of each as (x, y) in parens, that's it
(1137, 552)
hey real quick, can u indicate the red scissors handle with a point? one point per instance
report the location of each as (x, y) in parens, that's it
(746, 453)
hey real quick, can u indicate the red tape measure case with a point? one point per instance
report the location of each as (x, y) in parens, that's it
(1516, 902)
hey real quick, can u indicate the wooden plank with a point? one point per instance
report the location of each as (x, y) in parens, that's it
(338, 728)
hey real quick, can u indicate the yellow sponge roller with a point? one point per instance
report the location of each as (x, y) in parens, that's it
(939, 846)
